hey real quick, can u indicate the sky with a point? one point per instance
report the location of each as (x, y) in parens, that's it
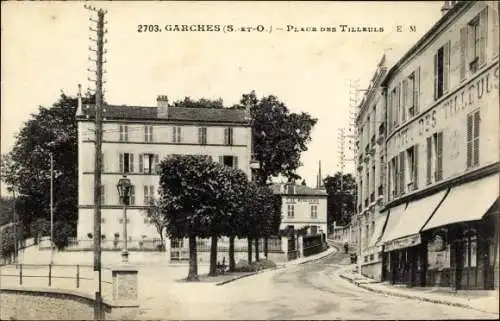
(45, 50)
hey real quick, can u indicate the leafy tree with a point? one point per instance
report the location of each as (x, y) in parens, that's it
(62, 233)
(157, 219)
(279, 136)
(341, 191)
(188, 188)
(40, 227)
(27, 166)
(6, 210)
(201, 103)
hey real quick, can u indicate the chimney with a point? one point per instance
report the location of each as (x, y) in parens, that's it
(162, 105)
(446, 6)
(79, 109)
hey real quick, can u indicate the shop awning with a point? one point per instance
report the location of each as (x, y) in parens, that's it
(377, 233)
(395, 215)
(466, 202)
(414, 217)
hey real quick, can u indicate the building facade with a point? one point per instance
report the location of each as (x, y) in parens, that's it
(370, 172)
(302, 206)
(442, 154)
(135, 140)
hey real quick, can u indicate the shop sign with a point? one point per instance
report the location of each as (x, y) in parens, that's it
(404, 242)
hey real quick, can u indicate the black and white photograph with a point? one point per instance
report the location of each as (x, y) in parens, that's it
(250, 160)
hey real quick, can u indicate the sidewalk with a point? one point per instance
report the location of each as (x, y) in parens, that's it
(484, 301)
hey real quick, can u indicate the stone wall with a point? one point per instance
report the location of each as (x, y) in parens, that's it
(373, 270)
(51, 304)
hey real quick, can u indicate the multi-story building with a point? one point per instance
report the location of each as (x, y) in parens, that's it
(135, 139)
(370, 159)
(302, 206)
(442, 154)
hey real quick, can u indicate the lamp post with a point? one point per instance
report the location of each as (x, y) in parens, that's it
(123, 188)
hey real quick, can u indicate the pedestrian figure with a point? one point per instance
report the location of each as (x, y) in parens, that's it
(346, 247)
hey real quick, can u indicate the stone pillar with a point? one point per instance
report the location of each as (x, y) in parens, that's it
(284, 244)
(125, 283)
(300, 240)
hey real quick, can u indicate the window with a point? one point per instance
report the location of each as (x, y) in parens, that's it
(473, 121)
(412, 92)
(314, 211)
(395, 106)
(149, 194)
(395, 176)
(438, 147)
(148, 163)
(202, 135)
(435, 157)
(475, 36)
(231, 161)
(123, 133)
(402, 175)
(148, 133)
(381, 171)
(176, 134)
(291, 209)
(126, 163)
(228, 136)
(372, 195)
(412, 157)
(441, 70)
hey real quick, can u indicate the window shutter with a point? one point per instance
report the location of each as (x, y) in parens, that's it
(151, 192)
(141, 163)
(131, 162)
(132, 195)
(156, 164)
(416, 93)
(221, 159)
(470, 123)
(446, 65)
(415, 166)
(404, 99)
(439, 167)
(389, 111)
(483, 25)
(402, 159)
(146, 133)
(179, 137)
(429, 160)
(463, 52)
(396, 175)
(476, 138)
(174, 134)
(235, 161)
(398, 102)
(200, 139)
(226, 136)
(230, 136)
(494, 26)
(146, 195)
(121, 162)
(436, 96)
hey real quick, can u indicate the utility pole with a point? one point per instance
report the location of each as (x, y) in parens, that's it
(51, 207)
(98, 311)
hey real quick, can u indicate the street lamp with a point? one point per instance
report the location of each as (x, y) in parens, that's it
(123, 188)
(51, 208)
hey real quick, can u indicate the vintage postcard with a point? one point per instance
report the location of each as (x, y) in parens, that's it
(247, 160)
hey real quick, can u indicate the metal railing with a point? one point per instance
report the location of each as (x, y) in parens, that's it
(65, 276)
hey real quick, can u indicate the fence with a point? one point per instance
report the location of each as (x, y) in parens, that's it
(108, 245)
(63, 276)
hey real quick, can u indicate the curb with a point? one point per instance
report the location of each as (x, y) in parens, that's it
(414, 297)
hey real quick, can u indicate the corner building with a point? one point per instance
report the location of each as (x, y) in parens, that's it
(135, 140)
(442, 154)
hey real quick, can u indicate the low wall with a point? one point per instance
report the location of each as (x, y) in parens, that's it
(372, 270)
(52, 304)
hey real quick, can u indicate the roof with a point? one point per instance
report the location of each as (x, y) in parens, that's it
(174, 113)
(446, 17)
(299, 190)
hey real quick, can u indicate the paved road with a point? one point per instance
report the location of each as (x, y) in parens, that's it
(310, 291)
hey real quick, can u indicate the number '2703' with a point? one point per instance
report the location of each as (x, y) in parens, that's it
(148, 28)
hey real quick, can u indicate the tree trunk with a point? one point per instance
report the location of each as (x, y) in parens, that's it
(213, 256)
(265, 247)
(193, 260)
(232, 263)
(256, 249)
(249, 250)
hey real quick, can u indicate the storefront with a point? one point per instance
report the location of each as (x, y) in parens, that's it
(405, 252)
(462, 237)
